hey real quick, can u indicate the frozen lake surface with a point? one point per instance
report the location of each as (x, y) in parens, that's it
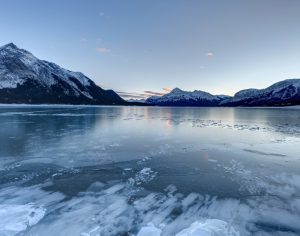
(149, 171)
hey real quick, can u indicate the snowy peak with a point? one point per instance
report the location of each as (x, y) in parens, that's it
(284, 84)
(11, 49)
(21, 70)
(19, 65)
(246, 93)
(277, 87)
(178, 97)
(176, 91)
(286, 92)
(9, 46)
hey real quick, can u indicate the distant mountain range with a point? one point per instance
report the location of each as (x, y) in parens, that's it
(26, 79)
(29, 80)
(178, 97)
(132, 100)
(286, 92)
(283, 93)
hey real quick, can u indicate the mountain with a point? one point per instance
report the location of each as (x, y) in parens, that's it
(283, 93)
(136, 100)
(27, 79)
(178, 97)
(286, 92)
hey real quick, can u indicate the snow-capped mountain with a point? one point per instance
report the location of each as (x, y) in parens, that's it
(286, 92)
(27, 79)
(178, 97)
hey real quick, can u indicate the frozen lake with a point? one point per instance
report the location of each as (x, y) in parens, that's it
(148, 171)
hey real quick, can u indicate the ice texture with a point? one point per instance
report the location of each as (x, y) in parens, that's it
(114, 210)
(210, 227)
(16, 218)
(149, 230)
(106, 171)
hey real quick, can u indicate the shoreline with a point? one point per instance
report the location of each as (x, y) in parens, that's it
(134, 105)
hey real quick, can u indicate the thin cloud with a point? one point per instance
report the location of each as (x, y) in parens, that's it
(210, 54)
(128, 95)
(99, 39)
(144, 95)
(152, 93)
(103, 50)
(167, 89)
(101, 13)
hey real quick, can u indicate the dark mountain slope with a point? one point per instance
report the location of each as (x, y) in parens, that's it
(26, 79)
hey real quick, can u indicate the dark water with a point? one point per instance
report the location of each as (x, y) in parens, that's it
(67, 170)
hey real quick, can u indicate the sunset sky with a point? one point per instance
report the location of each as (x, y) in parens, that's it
(139, 47)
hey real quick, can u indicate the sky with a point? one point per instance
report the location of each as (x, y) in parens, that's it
(143, 47)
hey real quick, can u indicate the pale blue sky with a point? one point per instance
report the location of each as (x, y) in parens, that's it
(141, 45)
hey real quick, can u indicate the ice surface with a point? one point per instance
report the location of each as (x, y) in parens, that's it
(143, 176)
(23, 207)
(149, 230)
(16, 218)
(210, 227)
(110, 210)
(156, 169)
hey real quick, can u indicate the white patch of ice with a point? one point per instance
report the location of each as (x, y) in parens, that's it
(149, 230)
(17, 218)
(210, 227)
(143, 176)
